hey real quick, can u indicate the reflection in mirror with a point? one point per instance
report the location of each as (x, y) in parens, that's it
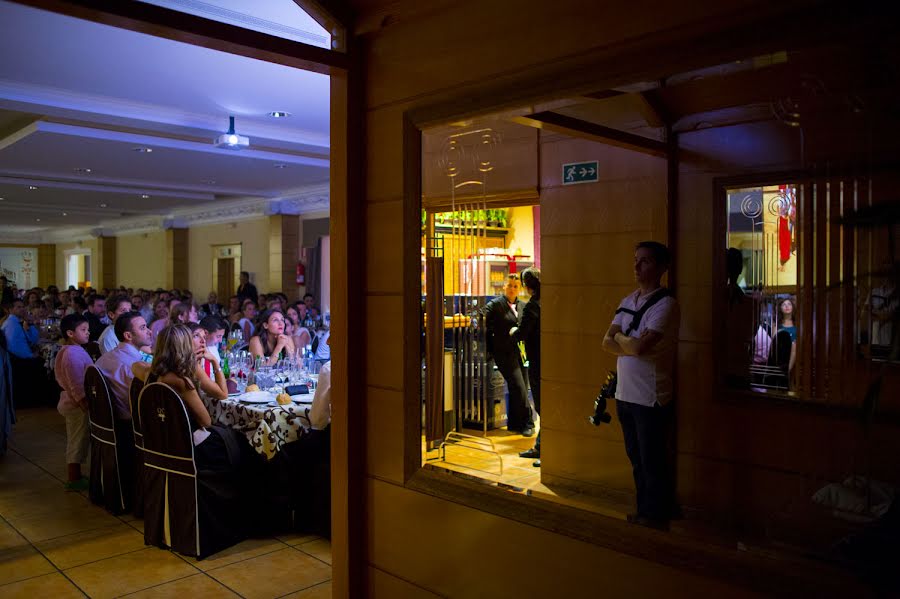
(762, 323)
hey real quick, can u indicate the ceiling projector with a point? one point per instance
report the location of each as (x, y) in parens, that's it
(231, 140)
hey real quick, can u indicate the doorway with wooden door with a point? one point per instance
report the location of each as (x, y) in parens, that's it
(226, 267)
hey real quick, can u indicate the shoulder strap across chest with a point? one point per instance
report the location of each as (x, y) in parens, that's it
(637, 315)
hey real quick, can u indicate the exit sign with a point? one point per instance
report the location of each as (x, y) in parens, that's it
(580, 172)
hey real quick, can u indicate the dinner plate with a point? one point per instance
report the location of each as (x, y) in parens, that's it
(256, 397)
(302, 398)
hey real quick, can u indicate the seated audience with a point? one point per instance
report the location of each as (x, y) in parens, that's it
(72, 362)
(115, 307)
(300, 334)
(247, 318)
(30, 384)
(271, 343)
(215, 332)
(96, 309)
(133, 334)
(234, 309)
(212, 307)
(176, 357)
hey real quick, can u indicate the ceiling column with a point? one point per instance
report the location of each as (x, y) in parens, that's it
(284, 252)
(177, 258)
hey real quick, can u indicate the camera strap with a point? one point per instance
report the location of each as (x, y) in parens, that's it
(637, 315)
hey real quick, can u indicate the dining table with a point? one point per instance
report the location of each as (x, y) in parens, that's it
(268, 425)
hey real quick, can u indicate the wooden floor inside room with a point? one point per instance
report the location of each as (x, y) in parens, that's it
(58, 544)
(501, 464)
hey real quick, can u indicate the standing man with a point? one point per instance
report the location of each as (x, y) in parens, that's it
(247, 290)
(644, 335)
(115, 307)
(529, 332)
(501, 315)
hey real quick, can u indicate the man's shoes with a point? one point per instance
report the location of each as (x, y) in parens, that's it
(648, 522)
(536, 463)
(77, 485)
(528, 432)
(532, 453)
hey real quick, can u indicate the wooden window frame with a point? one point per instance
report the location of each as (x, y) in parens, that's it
(600, 69)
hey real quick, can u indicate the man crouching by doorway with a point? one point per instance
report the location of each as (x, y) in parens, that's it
(644, 336)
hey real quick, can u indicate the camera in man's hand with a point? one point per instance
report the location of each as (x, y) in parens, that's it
(608, 391)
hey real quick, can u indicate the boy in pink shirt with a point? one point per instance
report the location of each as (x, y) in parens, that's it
(72, 362)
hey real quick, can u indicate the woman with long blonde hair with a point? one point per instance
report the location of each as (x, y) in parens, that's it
(175, 362)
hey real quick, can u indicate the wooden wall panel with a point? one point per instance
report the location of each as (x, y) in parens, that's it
(177, 258)
(47, 266)
(727, 464)
(106, 261)
(454, 551)
(284, 252)
(475, 41)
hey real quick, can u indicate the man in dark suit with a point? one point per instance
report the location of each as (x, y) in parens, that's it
(212, 307)
(96, 309)
(247, 290)
(502, 314)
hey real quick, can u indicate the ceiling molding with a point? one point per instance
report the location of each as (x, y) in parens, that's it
(32, 96)
(100, 188)
(143, 139)
(131, 186)
(224, 15)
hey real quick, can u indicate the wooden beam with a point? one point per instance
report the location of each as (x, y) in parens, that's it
(199, 31)
(334, 16)
(559, 123)
(653, 111)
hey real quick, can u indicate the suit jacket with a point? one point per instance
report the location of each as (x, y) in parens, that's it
(95, 326)
(248, 291)
(212, 309)
(499, 319)
(530, 332)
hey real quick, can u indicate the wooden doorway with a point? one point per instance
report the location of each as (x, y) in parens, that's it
(226, 269)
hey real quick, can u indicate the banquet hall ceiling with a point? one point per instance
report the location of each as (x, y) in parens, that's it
(81, 102)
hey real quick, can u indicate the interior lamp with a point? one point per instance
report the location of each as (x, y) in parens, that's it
(231, 140)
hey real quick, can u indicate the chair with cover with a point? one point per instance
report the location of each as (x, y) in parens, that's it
(108, 486)
(185, 508)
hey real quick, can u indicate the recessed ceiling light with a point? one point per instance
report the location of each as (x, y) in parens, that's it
(32, 187)
(65, 214)
(144, 196)
(1, 199)
(37, 220)
(208, 181)
(82, 170)
(103, 205)
(143, 150)
(279, 114)
(280, 165)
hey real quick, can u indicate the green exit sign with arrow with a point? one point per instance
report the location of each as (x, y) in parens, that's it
(580, 172)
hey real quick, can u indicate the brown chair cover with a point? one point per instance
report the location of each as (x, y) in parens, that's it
(137, 385)
(182, 509)
(106, 487)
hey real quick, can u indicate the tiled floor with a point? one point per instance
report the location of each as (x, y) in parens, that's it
(58, 544)
(498, 461)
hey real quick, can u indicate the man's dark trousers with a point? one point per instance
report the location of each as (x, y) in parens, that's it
(646, 430)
